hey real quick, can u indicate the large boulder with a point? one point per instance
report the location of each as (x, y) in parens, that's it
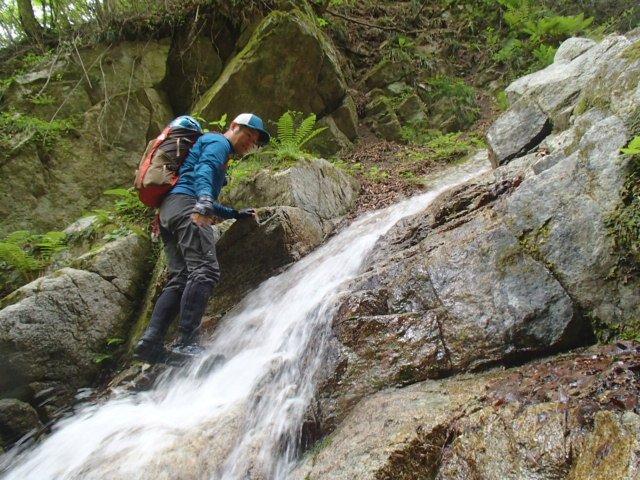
(519, 262)
(250, 252)
(53, 329)
(556, 88)
(315, 186)
(286, 65)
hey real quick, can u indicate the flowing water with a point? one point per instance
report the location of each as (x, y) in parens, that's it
(236, 419)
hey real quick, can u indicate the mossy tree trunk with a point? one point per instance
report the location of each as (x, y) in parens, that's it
(28, 21)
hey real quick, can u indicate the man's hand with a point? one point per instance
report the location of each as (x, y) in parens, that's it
(247, 213)
(201, 220)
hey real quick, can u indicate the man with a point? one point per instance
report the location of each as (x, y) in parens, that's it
(186, 215)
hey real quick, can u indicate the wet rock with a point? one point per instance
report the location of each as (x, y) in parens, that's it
(612, 450)
(307, 79)
(315, 186)
(517, 131)
(565, 418)
(52, 329)
(512, 443)
(251, 252)
(17, 419)
(514, 264)
(395, 434)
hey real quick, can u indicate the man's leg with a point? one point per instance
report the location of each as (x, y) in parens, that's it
(197, 246)
(151, 344)
(168, 304)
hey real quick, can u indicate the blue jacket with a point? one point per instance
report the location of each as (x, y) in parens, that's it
(203, 171)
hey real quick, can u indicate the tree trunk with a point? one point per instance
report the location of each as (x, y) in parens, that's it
(28, 21)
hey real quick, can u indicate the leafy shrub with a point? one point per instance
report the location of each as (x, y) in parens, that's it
(534, 34)
(452, 100)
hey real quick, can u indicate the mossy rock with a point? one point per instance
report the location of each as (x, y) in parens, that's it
(286, 65)
(384, 73)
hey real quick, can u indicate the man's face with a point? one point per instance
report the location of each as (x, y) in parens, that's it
(244, 139)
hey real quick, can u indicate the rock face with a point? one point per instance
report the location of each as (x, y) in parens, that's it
(110, 96)
(566, 418)
(514, 264)
(52, 329)
(308, 78)
(315, 186)
(249, 253)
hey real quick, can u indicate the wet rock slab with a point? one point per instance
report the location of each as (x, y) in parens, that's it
(547, 420)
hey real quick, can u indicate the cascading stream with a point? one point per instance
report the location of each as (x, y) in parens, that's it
(236, 419)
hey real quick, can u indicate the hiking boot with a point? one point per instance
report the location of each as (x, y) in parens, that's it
(150, 352)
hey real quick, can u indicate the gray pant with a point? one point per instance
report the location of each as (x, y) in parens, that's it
(193, 270)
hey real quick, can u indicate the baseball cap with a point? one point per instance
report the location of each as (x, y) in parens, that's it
(255, 122)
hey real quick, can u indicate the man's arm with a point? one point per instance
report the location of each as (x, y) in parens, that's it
(207, 171)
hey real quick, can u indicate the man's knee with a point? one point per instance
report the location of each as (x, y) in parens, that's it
(205, 274)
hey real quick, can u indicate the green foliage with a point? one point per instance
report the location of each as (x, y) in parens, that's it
(453, 100)
(533, 35)
(453, 146)
(633, 148)
(293, 133)
(128, 208)
(17, 130)
(215, 125)
(633, 52)
(376, 174)
(502, 100)
(23, 256)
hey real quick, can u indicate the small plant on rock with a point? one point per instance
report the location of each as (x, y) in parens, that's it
(293, 133)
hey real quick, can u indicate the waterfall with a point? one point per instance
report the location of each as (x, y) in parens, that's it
(232, 419)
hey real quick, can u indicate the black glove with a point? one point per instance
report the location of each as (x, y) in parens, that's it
(204, 206)
(245, 213)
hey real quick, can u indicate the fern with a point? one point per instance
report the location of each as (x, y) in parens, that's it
(291, 138)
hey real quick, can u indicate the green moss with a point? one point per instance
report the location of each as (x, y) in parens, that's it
(633, 123)
(632, 52)
(18, 130)
(317, 447)
(623, 224)
(606, 332)
(587, 103)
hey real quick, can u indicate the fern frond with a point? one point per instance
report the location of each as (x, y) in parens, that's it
(286, 128)
(313, 135)
(12, 256)
(305, 128)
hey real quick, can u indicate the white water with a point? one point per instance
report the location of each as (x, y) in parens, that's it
(239, 419)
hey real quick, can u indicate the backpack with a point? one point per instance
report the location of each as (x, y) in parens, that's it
(157, 172)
